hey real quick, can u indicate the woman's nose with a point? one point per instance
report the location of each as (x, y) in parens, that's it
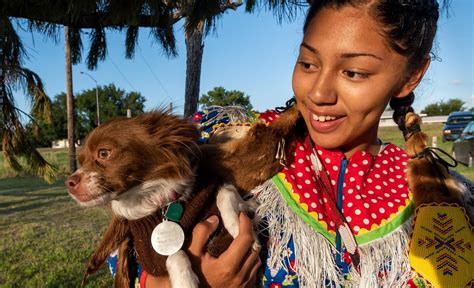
(323, 91)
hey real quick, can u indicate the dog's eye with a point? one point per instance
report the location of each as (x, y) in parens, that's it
(104, 154)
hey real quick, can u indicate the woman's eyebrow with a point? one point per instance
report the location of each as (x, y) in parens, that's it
(344, 55)
(310, 48)
(353, 55)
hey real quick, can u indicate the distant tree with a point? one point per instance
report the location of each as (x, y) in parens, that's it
(58, 129)
(444, 108)
(113, 102)
(219, 96)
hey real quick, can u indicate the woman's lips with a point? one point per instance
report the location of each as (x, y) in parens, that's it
(329, 123)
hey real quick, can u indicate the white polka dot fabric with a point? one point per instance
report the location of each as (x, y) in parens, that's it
(374, 187)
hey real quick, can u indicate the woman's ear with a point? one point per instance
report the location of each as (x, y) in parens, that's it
(414, 79)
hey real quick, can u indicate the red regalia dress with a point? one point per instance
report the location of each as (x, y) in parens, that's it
(374, 199)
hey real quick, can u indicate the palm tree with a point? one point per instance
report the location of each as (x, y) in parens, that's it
(15, 143)
(69, 103)
(200, 18)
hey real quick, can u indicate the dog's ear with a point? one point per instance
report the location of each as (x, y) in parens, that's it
(287, 121)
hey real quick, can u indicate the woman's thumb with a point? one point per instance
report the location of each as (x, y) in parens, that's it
(201, 233)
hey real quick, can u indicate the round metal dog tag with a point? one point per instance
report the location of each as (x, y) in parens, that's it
(167, 238)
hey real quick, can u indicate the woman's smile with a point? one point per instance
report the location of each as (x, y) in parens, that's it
(325, 123)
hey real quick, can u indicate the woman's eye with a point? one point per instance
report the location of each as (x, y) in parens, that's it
(307, 66)
(355, 75)
(104, 154)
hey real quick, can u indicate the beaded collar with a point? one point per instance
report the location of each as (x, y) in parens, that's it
(375, 195)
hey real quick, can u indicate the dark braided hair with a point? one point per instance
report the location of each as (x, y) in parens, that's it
(401, 106)
(409, 27)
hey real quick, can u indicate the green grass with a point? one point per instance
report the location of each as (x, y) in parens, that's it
(46, 238)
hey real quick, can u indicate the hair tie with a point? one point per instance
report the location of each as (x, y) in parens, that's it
(290, 103)
(412, 130)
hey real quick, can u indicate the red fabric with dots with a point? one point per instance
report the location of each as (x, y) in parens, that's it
(374, 187)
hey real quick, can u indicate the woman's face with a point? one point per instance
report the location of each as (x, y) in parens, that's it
(344, 77)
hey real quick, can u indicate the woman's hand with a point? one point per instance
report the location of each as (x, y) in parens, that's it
(236, 267)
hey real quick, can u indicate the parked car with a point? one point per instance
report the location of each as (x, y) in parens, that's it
(463, 147)
(456, 123)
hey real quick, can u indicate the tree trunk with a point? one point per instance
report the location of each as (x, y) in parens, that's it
(70, 104)
(194, 50)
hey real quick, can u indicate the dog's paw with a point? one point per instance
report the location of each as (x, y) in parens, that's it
(180, 271)
(229, 202)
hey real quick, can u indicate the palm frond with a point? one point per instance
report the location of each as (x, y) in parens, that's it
(13, 51)
(163, 33)
(98, 48)
(283, 10)
(250, 6)
(131, 41)
(165, 37)
(75, 43)
(286, 10)
(48, 30)
(16, 144)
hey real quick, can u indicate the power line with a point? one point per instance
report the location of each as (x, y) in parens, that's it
(154, 75)
(116, 67)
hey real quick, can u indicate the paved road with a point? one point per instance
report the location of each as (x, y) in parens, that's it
(387, 121)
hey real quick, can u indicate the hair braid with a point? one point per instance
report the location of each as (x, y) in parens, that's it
(402, 106)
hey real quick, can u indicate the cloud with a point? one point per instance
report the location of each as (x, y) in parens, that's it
(457, 82)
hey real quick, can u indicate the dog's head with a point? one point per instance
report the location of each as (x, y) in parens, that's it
(151, 152)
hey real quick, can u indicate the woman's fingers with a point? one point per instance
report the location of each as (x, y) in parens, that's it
(252, 278)
(241, 245)
(236, 267)
(251, 263)
(201, 233)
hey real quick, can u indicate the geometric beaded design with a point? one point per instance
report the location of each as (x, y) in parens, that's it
(441, 247)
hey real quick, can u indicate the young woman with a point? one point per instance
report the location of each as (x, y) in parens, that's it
(355, 58)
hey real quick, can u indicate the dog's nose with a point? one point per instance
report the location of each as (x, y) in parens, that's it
(73, 181)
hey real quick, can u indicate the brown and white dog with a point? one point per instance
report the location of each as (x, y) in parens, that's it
(140, 165)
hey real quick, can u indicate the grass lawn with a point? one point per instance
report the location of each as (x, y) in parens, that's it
(392, 134)
(46, 238)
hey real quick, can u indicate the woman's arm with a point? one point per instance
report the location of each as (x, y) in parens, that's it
(236, 267)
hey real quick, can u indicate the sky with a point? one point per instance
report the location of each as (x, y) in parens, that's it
(252, 53)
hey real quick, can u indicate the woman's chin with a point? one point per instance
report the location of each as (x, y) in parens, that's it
(326, 141)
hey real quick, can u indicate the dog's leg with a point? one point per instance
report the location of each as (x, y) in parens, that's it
(230, 204)
(122, 277)
(117, 232)
(180, 271)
